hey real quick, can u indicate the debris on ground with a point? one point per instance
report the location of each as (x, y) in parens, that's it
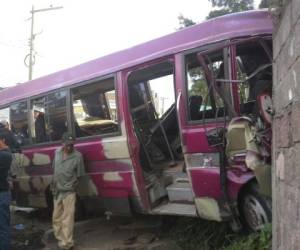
(28, 227)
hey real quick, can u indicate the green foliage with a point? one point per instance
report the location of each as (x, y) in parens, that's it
(216, 13)
(185, 22)
(198, 85)
(197, 234)
(229, 6)
(257, 241)
(199, 88)
(234, 5)
(265, 4)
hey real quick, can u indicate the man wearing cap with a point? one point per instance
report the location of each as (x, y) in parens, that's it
(5, 197)
(68, 167)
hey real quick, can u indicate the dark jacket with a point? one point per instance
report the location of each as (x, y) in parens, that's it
(5, 162)
(11, 140)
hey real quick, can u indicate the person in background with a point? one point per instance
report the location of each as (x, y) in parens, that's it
(14, 147)
(68, 168)
(11, 141)
(5, 197)
(40, 126)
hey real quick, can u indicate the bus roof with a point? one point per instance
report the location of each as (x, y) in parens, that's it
(235, 25)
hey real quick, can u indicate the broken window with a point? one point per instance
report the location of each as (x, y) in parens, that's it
(19, 122)
(95, 109)
(4, 115)
(204, 93)
(254, 72)
(152, 105)
(49, 117)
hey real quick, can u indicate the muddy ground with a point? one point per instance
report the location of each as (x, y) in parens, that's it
(28, 227)
(134, 233)
(123, 233)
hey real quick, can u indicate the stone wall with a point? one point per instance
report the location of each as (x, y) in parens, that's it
(286, 128)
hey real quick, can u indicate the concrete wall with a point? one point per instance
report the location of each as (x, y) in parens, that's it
(286, 128)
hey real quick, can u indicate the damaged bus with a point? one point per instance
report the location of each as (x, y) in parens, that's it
(180, 125)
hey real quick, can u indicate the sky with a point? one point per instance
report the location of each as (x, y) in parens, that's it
(83, 30)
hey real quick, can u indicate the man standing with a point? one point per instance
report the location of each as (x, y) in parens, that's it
(68, 167)
(5, 198)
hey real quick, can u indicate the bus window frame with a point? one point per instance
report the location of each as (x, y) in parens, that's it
(169, 59)
(27, 100)
(203, 50)
(91, 81)
(207, 49)
(5, 107)
(234, 42)
(30, 120)
(69, 106)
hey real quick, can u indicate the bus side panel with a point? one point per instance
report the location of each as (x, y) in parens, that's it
(206, 182)
(108, 167)
(34, 175)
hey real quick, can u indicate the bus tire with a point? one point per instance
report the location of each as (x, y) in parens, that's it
(255, 209)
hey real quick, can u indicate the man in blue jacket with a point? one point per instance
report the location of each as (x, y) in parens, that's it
(5, 198)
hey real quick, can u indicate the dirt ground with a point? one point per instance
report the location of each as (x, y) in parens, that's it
(28, 227)
(31, 230)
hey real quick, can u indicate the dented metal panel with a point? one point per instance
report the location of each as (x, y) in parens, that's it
(107, 162)
(41, 159)
(202, 160)
(208, 208)
(115, 148)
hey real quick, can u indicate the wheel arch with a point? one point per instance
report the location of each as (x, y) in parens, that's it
(247, 186)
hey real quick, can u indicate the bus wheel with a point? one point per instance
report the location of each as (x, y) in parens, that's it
(255, 210)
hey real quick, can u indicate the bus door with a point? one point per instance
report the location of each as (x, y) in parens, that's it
(203, 112)
(153, 131)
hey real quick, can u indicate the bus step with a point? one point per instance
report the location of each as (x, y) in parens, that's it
(176, 209)
(180, 191)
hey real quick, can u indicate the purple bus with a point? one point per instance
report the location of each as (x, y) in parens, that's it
(180, 125)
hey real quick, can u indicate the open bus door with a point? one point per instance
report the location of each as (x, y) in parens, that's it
(201, 110)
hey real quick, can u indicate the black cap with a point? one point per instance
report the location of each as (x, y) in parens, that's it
(68, 139)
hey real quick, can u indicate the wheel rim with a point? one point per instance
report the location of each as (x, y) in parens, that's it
(254, 213)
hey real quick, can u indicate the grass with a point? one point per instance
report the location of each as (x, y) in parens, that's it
(197, 234)
(255, 241)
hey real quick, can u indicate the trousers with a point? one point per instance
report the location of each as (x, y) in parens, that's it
(5, 200)
(63, 220)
